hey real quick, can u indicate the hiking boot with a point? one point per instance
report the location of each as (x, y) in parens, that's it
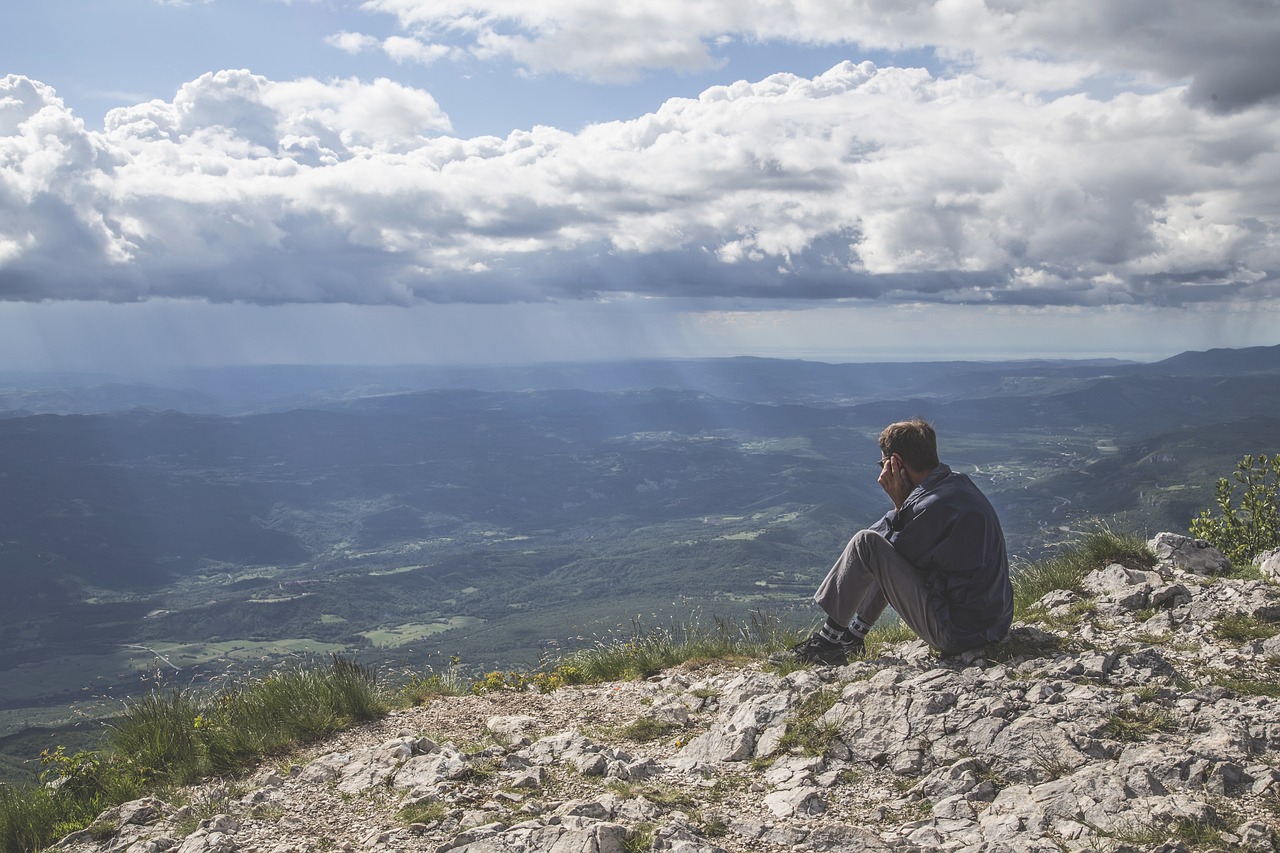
(825, 653)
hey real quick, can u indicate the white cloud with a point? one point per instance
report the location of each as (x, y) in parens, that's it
(1226, 48)
(860, 183)
(352, 43)
(402, 49)
(398, 48)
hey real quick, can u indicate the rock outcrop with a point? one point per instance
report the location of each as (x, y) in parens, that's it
(1144, 717)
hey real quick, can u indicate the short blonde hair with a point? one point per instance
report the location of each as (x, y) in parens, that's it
(914, 440)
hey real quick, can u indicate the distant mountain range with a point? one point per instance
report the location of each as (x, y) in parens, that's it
(244, 390)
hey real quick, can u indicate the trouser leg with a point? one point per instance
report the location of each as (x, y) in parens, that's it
(870, 574)
(850, 588)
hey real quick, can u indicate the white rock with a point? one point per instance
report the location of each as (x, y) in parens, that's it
(1189, 555)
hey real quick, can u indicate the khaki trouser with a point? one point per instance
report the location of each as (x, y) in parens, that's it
(869, 575)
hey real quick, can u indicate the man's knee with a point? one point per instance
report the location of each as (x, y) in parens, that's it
(868, 542)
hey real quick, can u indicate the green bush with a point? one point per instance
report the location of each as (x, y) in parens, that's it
(1245, 531)
(73, 790)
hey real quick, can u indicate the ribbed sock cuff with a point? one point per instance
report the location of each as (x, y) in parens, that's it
(833, 633)
(858, 629)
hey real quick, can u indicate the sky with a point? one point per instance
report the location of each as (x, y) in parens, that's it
(499, 181)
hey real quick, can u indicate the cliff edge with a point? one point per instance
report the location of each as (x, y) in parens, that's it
(1142, 716)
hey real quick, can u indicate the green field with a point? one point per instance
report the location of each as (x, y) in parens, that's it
(388, 638)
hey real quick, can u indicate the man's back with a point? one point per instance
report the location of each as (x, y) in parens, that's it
(948, 529)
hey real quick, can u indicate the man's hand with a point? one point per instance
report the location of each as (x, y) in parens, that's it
(895, 480)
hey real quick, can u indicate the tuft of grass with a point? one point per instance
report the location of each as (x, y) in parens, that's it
(180, 736)
(1069, 620)
(888, 634)
(659, 794)
(1186, 830)
(1249, 686)
(1137, 724)
(33, 817)
(421, 688)
(646, 730)
(638, 839)
(1241, 628)
(805, 733)
(715, 828)
(647, 651)
(1067, 569)
(668, 796)
(428, 812)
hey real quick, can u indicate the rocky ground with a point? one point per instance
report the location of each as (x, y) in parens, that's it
(1143, 717)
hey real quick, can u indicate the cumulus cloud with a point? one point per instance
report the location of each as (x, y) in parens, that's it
(403, 49)
(1226, 49)
(861, 183)
(352, 43)
(397, 48)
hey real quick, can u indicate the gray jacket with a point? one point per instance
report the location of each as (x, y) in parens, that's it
(949, 531)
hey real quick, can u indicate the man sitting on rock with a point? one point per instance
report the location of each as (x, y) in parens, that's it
(938, 557)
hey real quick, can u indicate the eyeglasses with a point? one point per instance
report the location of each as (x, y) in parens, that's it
(882, 462)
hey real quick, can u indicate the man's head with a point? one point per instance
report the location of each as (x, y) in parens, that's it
(914, 441)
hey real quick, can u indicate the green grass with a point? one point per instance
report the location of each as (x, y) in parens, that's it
(182, 736)
(176, 737)
(1137, 724)
(1240, 628)
(420, 688)
(423, 812)
(805, 733)
(646, 729)
(649, 651)
(886, 635)
(1249, 686)
(638, 839)
(1152, 835)
(1067, 569)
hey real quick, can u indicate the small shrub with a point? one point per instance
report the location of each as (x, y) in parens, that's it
(1243, 532)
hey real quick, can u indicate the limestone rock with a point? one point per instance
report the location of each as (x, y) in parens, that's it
(1128, 588)
(1190, 555)
(1269, 564)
